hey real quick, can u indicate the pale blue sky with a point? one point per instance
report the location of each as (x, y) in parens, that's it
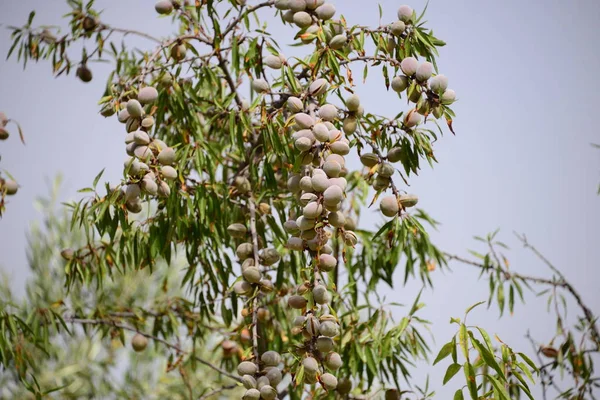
(526, 76)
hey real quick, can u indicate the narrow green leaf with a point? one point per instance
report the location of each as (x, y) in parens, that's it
(451, 371)
(444, 352)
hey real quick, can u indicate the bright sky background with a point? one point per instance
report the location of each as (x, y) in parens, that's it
(526, 76)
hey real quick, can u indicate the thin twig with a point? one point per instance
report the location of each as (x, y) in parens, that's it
(217, 391)
(178, 349)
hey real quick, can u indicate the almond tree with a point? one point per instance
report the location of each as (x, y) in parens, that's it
(237, 219)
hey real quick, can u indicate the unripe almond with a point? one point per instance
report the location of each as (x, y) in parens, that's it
(148, 95)
(242, 184)
(244, 250)
(269, 257)
(148, 122)
(123, 116)
(132, 191)
(328, 112)
(399, 83)
(297, 5)
(424, 71)
(166, 156)
(321, 132)
(302, 19)
(134, 206)
(397, 28)
(337, 158)
(282, 4)
(306, 184)
(291, 227)
(386, 170)
(247, 368)
(132, 124)
(438, 84)
(333, 195)
(141, 138)
(164, 7)
(326, 11)
(297, 302)
(350, 125)
(312, 210)
(338, 41)
(340, 147)
(332, 169)
(67, 254)
(304, 121)
(163, 189)
(329, 329)
(303, 144)
(409, 200)
(139, 342)
(337, 219)
(268, 392)
(318, 87)
(178, 52)
(353, 102)
(242, 288)
(320, 183)
(329, 381)
(249, 382)
(395, 154)
(252, 274)
(305, 224)
(270, 358)
(251, 394)
(274, 62)
(438, 111)
(149, 186)
(295, 243)
(327, 262)
(134, 108)
(405, 13)
(260, 85)
(288, 16)
(274, 376)
(293, 183)
(168, 172)
(409, 66)
(369, 159)
(310, 365)
(448, 97)
(294, 104)
(324, 343)
(389, 206)
(321, 295)
(84, 73)
(412, 119)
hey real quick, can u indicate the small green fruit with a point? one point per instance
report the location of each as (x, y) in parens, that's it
(329, 381)
(294, 104)
(329, 329)
(405, 13)
(178, 52)
(251, 394)
(338, 41)
(328, 112)
(249, 382)
(438, 84)
(326, 11)
(409, 66)
(271, 358)
(369, 159)
(164, 7)
(386, 170)
(84, 73)
(247, 368)
(274, 62)
(139, 342)
(148, 95)
(244, 250)
(389, 206)
(424, 71)
(310, 365)
(324, 343)
(353, 102)
(260, 85)
(134, 108)
(302, 19)
(397, 28)
(399, 83)
(321, 294)
(409, 200)
(166, 156)
(268, 392)
(318, 87)
(297, 302)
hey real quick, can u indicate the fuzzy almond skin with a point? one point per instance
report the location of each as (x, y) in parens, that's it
(139, 342)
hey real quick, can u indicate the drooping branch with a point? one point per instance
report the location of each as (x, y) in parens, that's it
(178, 349)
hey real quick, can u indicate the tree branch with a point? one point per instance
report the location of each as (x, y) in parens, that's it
(178, 349)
